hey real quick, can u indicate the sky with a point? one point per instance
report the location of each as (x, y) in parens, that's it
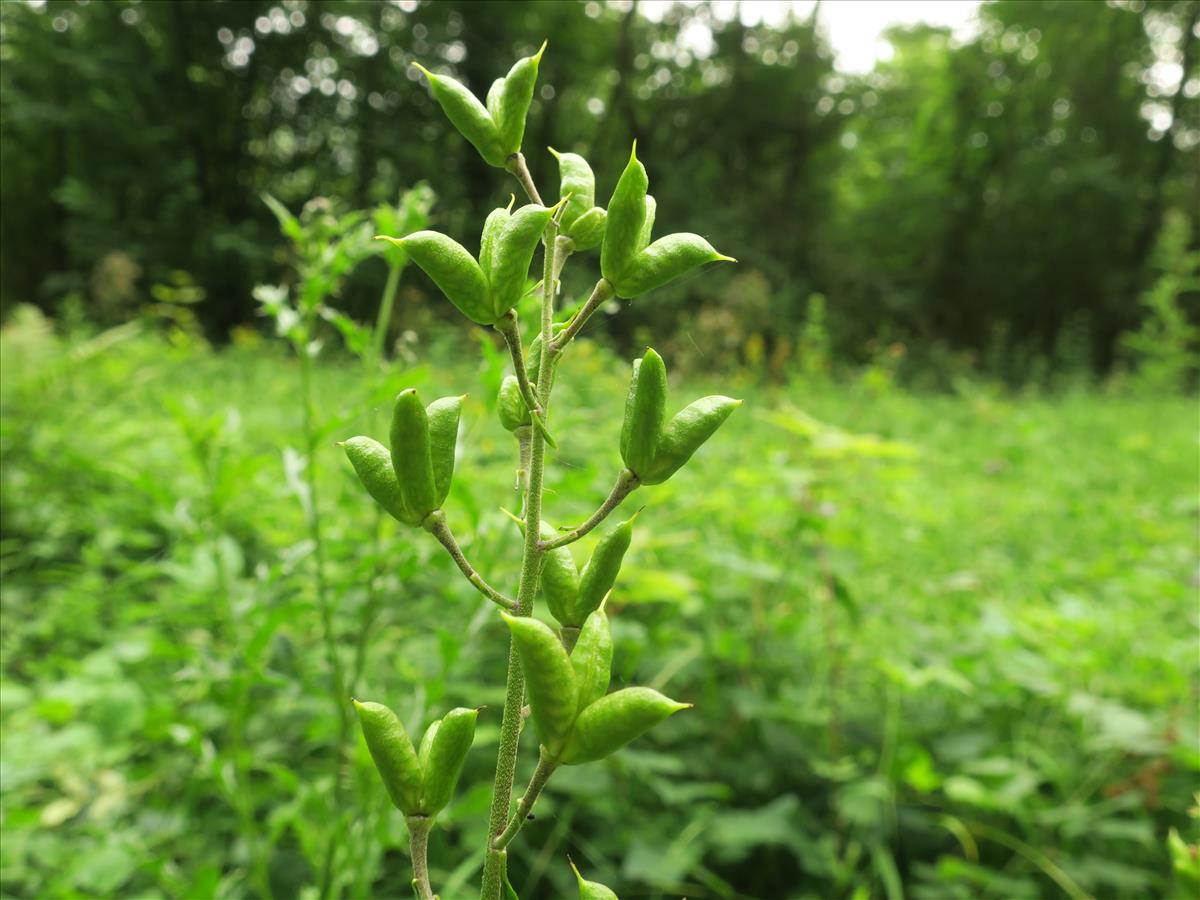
(853, 26)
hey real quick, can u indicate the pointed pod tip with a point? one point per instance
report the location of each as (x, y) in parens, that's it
(399, 242)
(512, 198)
(633, 152)
(425, 71)
(537, 57)
(721, 257)
(554, 153)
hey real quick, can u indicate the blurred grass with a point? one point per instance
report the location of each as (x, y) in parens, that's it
(940, 646)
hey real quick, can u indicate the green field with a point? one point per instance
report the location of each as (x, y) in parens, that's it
(940, 645)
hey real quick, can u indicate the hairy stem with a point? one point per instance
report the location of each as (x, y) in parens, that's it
(507, 326)
(626, 484)
(435, 524)
(601, 293)
(516, 165)
(418, 847)
(523, 435)
(531, 564)
(545, 768)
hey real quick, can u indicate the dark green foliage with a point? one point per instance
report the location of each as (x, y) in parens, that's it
(976, 195)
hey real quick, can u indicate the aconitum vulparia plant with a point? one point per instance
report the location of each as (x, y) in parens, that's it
(563, 674)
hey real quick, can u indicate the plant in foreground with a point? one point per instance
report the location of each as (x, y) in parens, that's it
(564, 674)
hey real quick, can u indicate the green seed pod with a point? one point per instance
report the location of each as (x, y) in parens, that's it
(511, 105)
(512, 255)
(549, 679)
(691, 427)
(453, 270)
(560, 578)
(445, 758)
(533, 359)
(592, 659)
(648, 225)
(592, 890)
(493, 100)
(600, 573)
(427, 743)
(373, 465)
(645, 409)
(493, 225)
(511, 406)
(613, 721)
(588, 230)
(626, 216)
(443, 418)
(577, 185)
(411, 460)
(468, 116)
(393, 754)
(663, 261)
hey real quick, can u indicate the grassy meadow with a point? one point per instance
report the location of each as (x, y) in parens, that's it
(940, 645)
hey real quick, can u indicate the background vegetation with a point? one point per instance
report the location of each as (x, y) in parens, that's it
(933, 591)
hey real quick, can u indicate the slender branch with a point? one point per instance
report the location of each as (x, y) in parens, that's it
(435, 524)
(531, 566)
(379, 338)
(516, 165)
(507, 326)
(545, 768)
(626, 484)
(601, 293)
(418, 848)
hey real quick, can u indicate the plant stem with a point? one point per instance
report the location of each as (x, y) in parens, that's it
(385, 312)
(516, 165)
(418, 847)
(435, 524)
(545, 768)
(601, 293)
(626, 484)
(507, 326)
(531, 564)
(337, 680)
(523, 435)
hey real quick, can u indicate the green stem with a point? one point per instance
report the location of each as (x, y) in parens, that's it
(418, 848)
(601, 293)
(385, 312)
(545, 768)
(626, 484)
(516, 165)
(531, 564)
(337, 679)
(435, 524)
(507, 326)
(523, 435)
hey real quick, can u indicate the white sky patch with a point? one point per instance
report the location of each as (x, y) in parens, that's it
(854, 27)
